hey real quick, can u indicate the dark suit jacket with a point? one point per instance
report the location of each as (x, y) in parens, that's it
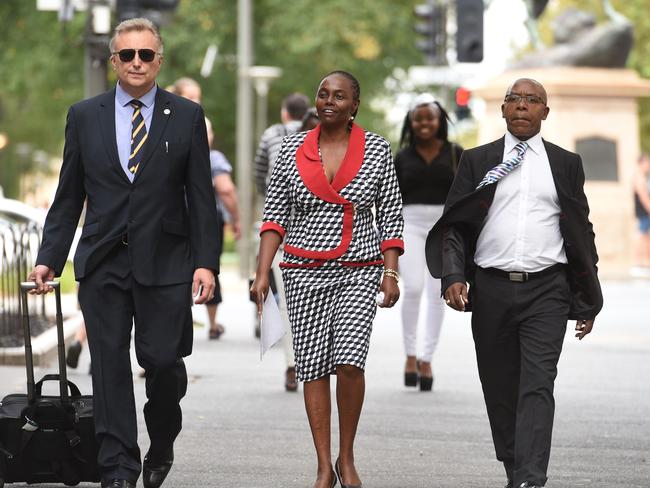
(168, 211)
(452, 241)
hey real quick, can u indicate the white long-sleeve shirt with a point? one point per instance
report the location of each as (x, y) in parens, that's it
(522, 228)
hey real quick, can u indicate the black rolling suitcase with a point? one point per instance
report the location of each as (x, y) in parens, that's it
(47, 439)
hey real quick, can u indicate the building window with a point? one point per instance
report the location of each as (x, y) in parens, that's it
(598, 158)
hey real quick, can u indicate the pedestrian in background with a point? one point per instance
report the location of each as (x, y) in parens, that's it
(426, 164)
(519, 232)
(310, 120)
(188, 88)
(323, 190)
(642, 211)
(292, 112)
(139, 156)
(228, 211)
(225, 192)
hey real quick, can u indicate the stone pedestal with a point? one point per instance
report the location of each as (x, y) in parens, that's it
(593, 112)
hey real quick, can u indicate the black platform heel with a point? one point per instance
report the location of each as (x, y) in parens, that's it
(410, 379)
(426, 383)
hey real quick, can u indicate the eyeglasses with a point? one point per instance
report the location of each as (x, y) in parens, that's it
(529, 99)
(127, 55)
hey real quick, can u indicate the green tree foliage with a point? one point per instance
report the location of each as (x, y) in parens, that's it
(41, 64)
(42, 60)
(306, 39)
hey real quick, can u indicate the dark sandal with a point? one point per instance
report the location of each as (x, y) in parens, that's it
(216, 332)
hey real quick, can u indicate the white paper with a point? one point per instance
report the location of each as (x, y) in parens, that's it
(272, 325)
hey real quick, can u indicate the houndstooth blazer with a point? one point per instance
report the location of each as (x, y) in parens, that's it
(334, 223)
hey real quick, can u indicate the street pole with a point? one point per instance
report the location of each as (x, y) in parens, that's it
(261, 77)
(244, 132)
(98, 25)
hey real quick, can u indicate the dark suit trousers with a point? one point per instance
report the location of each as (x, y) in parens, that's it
(111, 302)
(518, 332)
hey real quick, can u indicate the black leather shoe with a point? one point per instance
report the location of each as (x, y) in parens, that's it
(118, 484)
(154, 471)
(526, 484)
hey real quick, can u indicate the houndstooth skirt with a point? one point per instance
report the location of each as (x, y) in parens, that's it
(331, 310)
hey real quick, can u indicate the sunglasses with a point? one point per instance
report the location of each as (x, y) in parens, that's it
(127, 55)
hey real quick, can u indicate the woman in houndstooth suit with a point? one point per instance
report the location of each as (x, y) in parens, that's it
(337, 257)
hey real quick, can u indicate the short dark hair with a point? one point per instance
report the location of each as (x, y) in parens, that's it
(296, 105)
(356, 88)
(408, 138)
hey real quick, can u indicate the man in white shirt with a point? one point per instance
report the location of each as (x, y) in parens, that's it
(516, 228)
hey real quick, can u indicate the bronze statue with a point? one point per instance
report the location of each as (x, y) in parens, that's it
(579, 40)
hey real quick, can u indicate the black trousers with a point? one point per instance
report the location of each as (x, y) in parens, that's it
(518, 331)
(111, 302)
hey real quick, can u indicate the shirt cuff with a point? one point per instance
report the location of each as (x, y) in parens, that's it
(273, 226)
(393, 244)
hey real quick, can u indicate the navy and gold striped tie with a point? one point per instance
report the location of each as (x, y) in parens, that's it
(138, 135)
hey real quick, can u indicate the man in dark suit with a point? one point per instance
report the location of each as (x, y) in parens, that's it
(138, 157)
(516, 228)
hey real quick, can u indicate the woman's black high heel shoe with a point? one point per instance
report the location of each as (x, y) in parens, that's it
(426, 383)
(334, 479)
(338, 475)
(410, 379)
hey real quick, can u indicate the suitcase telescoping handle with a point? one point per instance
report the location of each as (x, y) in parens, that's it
(25, 286)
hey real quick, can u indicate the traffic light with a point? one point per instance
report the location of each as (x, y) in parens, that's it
(431, 24)
(462, 103)
(159, 4)
(127, 9)
(538, 7)
(154, 10)
(469, 33)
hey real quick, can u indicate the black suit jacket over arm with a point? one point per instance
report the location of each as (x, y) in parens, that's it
(169, 210)
(451, 243)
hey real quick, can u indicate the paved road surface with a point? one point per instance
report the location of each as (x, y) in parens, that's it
(243, 430)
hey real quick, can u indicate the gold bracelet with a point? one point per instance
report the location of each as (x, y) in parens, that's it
(391, 273)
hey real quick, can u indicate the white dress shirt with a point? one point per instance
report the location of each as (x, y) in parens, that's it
(522, 228)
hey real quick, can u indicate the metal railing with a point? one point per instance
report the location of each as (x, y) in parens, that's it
(19, 243)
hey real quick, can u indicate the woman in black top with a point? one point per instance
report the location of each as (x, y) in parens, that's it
(426, 164)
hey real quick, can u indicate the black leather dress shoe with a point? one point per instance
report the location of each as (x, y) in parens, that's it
(155, 470)
(118, 484)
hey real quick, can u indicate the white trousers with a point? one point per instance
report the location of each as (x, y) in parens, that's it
(287, 339)
(418, 220)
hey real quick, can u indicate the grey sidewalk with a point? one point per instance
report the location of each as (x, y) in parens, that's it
(241, 429)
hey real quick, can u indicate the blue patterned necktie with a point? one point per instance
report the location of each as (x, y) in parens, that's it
(502, 169)
(138, 135)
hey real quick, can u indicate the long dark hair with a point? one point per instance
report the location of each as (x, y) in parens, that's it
(408, 138)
